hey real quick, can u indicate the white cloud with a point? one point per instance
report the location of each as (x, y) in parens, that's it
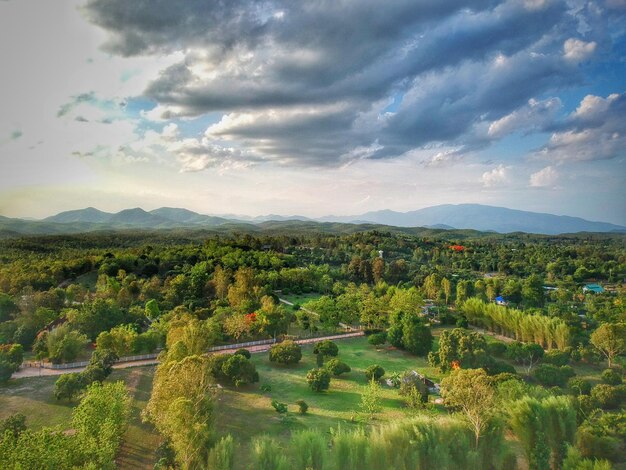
(532, 116)
(576, 50)
(496, 177)
(545, 178)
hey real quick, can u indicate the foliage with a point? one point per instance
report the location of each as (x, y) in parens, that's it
(374, 372)
(279, 407)
(371, 398)
(603, 436)
(377, 339)
(408, 331)
(472, 393)
(611, 377)
(463, 347)
(326, 348)
(303, 407)
(579, 386)
(14, 424)
(610, 340)
(181, 408)
(68, 386)
(239, 370)
(222, 455)
(244, 352)
(544, 427)
(11, 356)
(528, 354)
(413, 389)
(550, 376)
(64, 345)
(337, 367)
(609, 397)
(318, 379)
(287, 352)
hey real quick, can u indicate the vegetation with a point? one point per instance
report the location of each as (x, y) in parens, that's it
(530, 390)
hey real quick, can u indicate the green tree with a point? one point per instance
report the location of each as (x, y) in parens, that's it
(374, 372)
(64, 345)
(610, 340)
(371, 398)
(68, 386)
(287, 352)
(318, 379)
(326, 348)
(337, 367)
(470, 391)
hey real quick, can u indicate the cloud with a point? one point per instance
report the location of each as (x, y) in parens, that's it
(534, 116)
(576, 50)
(596, 130)
(498, 176)
(545, 178)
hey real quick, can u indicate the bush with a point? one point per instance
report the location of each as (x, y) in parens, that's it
(413, 389)
(579, 386)
(326, 348)
(336, 367)
(550, 375)
(266, 388)
(494, 367)
(377, 339)
(556, 357)
(496, 349)
(318, 379)
(608, 397)
(374, 372)
(68, 386)
(302, 406)
(239, 370)
(279, 407)
(461, 322)
(611, 377)
(286, 352)
(244, 352)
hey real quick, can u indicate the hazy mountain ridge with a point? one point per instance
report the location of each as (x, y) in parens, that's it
(444, 217)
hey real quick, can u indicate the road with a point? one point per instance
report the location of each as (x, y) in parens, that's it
(41, 372)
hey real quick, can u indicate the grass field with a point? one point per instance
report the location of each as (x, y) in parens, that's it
(247, 412)
(300, 298)
(34, 397)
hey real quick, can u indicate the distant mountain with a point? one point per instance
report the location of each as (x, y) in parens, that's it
(90, 214)
(185, 216)
(429, 220)
(480, 217)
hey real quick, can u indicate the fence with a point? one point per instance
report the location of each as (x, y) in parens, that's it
(142, 357)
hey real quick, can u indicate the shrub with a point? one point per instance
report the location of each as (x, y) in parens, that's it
(287, 352)
(243, 352)
(608, 397)
(279, 407)
(579, 386)
(496, 349)
(413, 389)
(68, 386)
(266, 388)
(611, 377)
(377, 339)
(336, 367)
(550, 375)
(461, 322)
(556, 357)
(374, 372)
(326, 348)
(302, 406)
(318, 379)
(239, 370)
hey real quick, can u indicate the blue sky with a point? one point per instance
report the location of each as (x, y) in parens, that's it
(313, 108)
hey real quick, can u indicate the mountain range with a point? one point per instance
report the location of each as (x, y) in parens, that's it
(447, 217)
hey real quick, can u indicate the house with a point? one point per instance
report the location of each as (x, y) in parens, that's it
(593, 288)
(501, 300)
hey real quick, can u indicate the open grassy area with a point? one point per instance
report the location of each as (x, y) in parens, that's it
(34, 397)
(300, 298)
(247, 412)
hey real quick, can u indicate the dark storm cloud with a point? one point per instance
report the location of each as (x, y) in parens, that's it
(325, 69)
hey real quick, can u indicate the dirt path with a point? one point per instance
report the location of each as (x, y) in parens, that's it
(40, 372)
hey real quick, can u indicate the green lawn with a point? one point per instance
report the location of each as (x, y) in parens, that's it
(300, 298)
(247, 412)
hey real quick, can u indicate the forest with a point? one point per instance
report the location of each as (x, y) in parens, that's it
(373, 349)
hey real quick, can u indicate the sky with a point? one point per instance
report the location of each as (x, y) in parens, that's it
(313, 108)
